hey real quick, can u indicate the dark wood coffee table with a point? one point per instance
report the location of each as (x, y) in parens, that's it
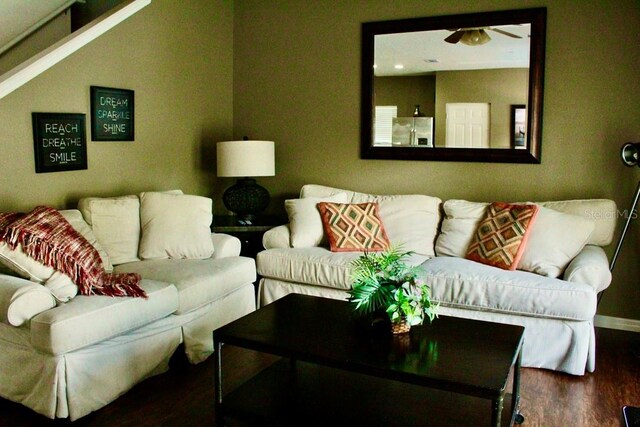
(333, 371)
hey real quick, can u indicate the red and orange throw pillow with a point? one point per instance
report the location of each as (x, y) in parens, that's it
(502, 234)
(353, 227)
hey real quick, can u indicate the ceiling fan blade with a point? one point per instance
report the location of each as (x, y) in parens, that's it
(506, 33)
(455, 37)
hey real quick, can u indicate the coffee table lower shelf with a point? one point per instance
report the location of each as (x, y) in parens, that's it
(300, 393)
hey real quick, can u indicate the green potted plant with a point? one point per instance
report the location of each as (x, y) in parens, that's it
(383, 281)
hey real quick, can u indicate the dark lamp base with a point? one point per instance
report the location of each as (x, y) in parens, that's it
(246, 198)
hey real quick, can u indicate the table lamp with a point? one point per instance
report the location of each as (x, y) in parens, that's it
(246, 159)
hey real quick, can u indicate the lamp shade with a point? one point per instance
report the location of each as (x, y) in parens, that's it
(245, 158)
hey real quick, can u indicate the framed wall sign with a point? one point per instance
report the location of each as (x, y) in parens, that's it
(59, 141)
(112, 114)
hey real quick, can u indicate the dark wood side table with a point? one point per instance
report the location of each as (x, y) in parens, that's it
(249, 233)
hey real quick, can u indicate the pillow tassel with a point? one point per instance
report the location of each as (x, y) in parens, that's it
(121, 284)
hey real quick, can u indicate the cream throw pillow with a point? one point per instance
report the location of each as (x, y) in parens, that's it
(459, 226)
(305, 222)
(175, 226)
(74, 217)
(115, 221)
(59, 284)
(19, 302)
(23, 265)
(555, 239)
(411, 220)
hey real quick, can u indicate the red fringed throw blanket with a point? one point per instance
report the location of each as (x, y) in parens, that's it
(48, 238)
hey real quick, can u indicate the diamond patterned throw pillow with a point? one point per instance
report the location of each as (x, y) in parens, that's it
(501, 236)
(353, 227)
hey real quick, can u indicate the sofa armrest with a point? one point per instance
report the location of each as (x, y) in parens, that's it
(590, 267)
(277, 237)
(21, 299)
(225, 246)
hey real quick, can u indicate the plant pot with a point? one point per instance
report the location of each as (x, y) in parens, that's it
(375, 324)
(400, 327)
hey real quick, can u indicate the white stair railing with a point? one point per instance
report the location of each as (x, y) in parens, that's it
(16, 77)
(35, 27)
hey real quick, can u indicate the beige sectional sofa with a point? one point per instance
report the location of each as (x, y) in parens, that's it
(66, 359)
(555, 299)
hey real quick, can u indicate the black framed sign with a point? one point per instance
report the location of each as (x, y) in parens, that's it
(59, 142)
(112, 114)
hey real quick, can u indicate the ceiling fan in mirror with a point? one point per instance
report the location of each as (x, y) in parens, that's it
(475, 36)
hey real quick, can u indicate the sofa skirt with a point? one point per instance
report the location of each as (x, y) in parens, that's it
(198, 325)
(76, 383)
(556, 344)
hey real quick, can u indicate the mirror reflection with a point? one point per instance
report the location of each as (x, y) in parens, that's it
(450, 88)
(457, 87)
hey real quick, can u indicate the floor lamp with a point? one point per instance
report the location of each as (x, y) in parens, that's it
(630, 156)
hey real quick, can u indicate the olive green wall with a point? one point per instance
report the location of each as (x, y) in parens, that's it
(289, 71)
(178, 58)
(297, 82)
(501, 88)
(405, 93)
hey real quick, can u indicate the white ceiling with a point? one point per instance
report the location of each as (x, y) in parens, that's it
(16, 16)
(416, 51)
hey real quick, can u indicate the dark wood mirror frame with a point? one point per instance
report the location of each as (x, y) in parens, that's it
(536, 17)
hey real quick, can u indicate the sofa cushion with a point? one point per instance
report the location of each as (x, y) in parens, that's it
(313, 266)
(461, 283)
(87, 320)
(353, 227)
(175, 226)
(116, 223)
(502, 235)
(410, 221)
(305, 222)
(199, 281)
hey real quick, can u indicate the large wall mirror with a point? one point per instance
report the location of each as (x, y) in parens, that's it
(458, 87)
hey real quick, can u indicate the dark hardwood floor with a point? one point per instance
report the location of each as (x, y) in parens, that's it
(184, 395)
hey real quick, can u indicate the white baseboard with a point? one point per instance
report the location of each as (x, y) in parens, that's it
(620, 323)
